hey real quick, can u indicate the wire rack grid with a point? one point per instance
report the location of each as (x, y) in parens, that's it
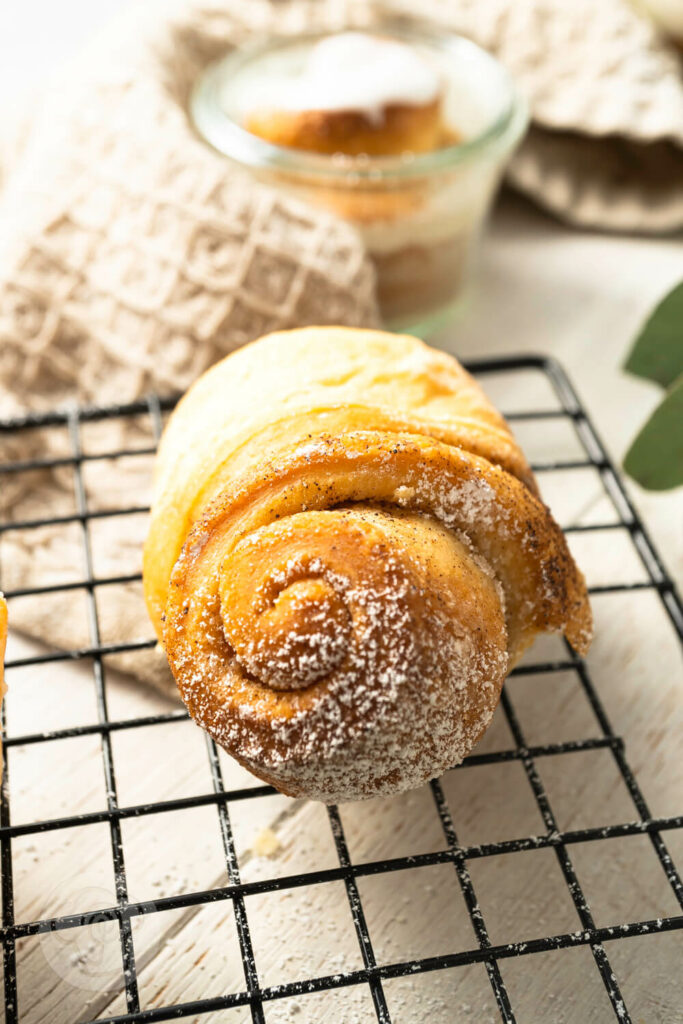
(255, 995)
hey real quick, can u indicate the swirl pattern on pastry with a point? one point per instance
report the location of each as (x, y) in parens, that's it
(344, 607)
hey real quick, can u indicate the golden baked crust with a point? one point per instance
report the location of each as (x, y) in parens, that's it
(403, 127)
(346, 556)
(292, 385)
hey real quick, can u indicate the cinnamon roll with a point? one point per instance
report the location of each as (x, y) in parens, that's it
(347, 554)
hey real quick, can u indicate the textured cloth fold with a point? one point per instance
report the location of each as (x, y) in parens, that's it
(605, 90)
(132, 257)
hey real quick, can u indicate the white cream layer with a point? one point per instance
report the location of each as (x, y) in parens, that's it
(352, 71)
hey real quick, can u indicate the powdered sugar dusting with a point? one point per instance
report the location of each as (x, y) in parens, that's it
(406, 688)
(350, 636)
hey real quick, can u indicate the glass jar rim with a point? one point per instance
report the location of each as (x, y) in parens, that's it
(231, 139)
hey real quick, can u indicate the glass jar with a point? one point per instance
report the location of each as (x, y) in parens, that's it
(420, 215)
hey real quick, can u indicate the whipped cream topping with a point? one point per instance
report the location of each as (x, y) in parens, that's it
(356, 71)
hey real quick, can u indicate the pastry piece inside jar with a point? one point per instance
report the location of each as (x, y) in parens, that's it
(403, 132)
(354, 94)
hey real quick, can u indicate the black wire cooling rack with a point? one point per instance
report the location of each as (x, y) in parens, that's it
(255, 995)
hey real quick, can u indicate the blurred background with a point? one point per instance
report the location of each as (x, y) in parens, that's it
(577, 291)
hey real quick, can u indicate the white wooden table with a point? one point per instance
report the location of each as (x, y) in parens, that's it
(542, 288)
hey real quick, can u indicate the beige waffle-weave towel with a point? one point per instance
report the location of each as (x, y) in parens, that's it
(131, 258)
(606, 96)
(131, 255)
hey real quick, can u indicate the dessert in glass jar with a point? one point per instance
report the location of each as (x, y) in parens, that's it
(404, 132)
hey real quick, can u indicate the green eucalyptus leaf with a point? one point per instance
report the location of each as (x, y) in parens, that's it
(655, 459)
(657, 352)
